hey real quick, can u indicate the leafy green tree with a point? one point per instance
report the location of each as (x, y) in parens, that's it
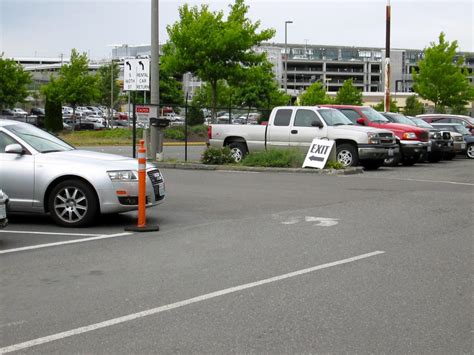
(442, 76)
(53, 120)
(108, 76)
(211, 47)
(77, 86)
(171, 89)
(314, 95)
(195, 115)
(14, 81)
(259, 88)
(381, 106)
(413, 106)
(348, 94)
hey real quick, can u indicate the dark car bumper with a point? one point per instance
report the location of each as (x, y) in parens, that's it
(377, 151)
(413, 148)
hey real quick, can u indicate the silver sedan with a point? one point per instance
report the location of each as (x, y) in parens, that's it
(42, 174)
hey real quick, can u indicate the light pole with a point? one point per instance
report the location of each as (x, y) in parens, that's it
(286, 54)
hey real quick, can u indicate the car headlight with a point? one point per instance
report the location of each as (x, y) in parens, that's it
(373, 138)
(123, 175)
(409, 135)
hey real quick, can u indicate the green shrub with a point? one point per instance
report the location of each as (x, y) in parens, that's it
(334, 164)
(174, 133)
(217, 156)
(276, 158)
(53, 120)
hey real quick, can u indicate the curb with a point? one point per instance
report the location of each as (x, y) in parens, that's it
(181, 144)
(197, 166)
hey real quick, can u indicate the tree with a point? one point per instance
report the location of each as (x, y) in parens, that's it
(348, 94)
(108, 84)
(171, 89)
(442, 77)
(314, 95)
(77, 86)
(413, 106)
(381, 106)
(14, 83)
(53, 120)
(259, 88)
(211, 47)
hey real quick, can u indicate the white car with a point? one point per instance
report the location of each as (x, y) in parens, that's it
(3, 209)
(19, 112)
(43, 174)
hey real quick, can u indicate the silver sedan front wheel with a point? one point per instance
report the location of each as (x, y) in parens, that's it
(72, 203)
(470, 151)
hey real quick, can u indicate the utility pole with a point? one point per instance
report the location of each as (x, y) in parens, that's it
(387, 59)
(286, 54)
(156, 141)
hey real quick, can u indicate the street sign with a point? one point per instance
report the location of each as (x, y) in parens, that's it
(136, 75)
(129, 75)
(145, 112)
(318, 153)
(143, 74)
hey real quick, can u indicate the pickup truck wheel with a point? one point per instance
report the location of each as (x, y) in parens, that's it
(392, 161)
(346, 154)
(435, 157)
(411, 160)
(238, 151)
(470, 151)
(372, 164)
(72, 203)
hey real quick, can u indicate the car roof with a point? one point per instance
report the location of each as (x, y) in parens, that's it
(442, 115)
(6, 122)
(445, 124)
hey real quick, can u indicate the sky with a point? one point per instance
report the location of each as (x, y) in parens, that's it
(49, 28)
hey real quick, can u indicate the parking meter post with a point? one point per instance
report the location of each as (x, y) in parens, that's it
(186, 129)
(141, 224)
(146, 138)
(134, 128)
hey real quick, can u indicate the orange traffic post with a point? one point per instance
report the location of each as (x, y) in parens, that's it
(141, 225)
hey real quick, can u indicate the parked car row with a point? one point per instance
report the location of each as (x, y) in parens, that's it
(362, 135)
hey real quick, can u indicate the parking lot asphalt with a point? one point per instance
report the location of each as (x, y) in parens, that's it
(254, 262)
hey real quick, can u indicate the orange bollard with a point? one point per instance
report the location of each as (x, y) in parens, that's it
(141, 225)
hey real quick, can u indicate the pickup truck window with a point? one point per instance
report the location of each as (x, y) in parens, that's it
(334, 117)
(350, 114)
(373, 115)
(304, 118)
(282, 117)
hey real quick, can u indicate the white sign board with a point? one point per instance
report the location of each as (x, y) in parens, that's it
(145, 112)
(143, 74)
(136, 75)
(318, 153)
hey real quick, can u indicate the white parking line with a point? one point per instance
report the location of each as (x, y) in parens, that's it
(52, 233)
(421, 180)
(133, 316)
(74, 241)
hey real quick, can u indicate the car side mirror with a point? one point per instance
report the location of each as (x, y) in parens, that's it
(361, 121)
(14, 149)
(317, 123)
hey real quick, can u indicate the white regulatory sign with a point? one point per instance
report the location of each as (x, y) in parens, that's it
(136, 75)
(143, 74)
(129, 75)
(318, 153)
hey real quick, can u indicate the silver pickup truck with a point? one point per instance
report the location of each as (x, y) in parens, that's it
(297, 126)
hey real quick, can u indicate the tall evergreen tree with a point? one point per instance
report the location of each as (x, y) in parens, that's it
(348, 94)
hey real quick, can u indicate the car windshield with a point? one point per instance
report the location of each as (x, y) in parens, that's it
(40, 140)
(373, 115)
(334, 117)
(461, 129)
(420, 123)
(402, 119)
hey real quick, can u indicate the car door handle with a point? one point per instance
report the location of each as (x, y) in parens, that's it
(294, 131)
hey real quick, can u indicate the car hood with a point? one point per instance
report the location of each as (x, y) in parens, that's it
(78, 157)
(401, 127)
(363, 129)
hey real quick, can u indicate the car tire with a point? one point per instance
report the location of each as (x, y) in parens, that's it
(73, 203)
(238, 151)
(470, 151)
(411, 160)
(392, 161)
(346, 154)
(449, 156)
(372, 164)
(434, 158)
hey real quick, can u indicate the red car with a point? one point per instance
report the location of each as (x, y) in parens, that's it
(413, 141)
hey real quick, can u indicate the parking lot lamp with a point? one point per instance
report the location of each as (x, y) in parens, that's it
(286, 54)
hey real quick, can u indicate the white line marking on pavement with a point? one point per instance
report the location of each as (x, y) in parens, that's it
(133, 316)
(53, 233)
(421, 180)
(74, 241)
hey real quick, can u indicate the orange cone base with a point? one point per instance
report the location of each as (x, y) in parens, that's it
(143, 229)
